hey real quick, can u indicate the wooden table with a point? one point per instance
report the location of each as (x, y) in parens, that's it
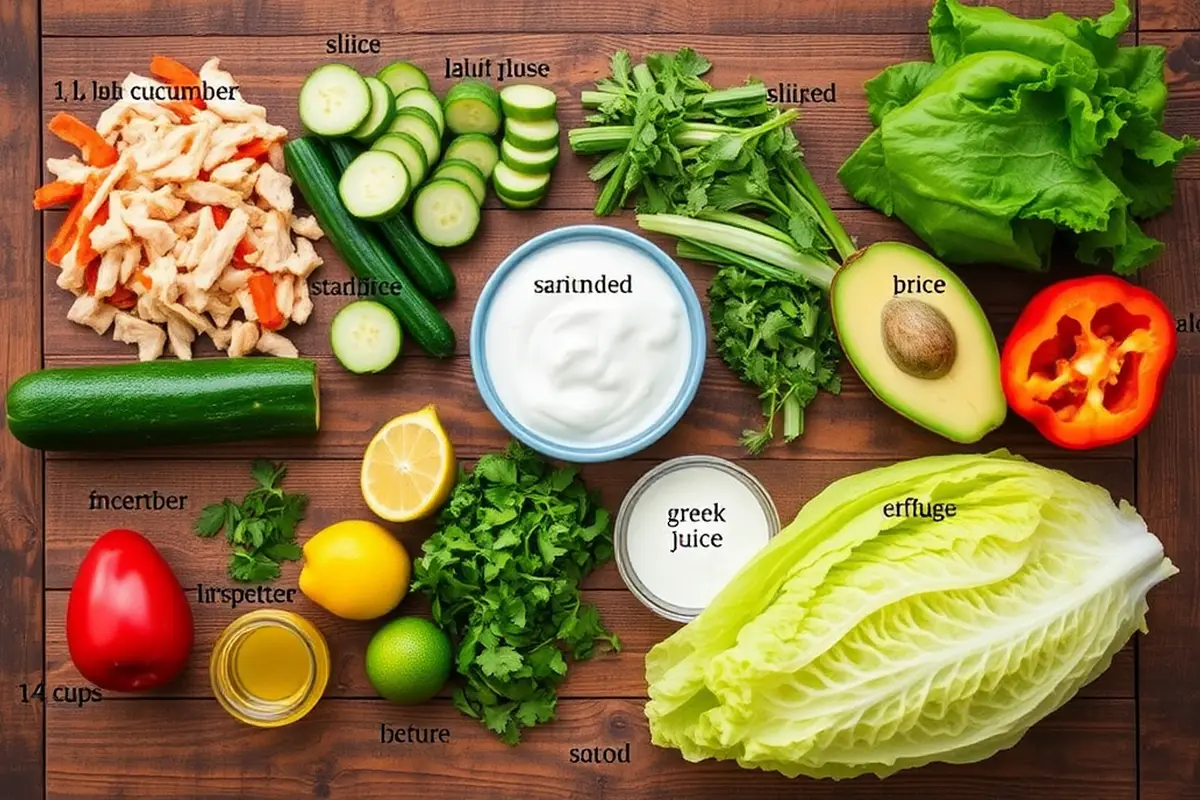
(1134, 732)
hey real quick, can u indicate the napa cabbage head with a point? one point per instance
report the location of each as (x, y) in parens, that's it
(862, 643)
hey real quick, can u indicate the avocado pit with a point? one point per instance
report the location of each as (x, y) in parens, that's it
(918, 338)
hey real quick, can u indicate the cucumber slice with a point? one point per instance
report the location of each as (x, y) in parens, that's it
(334, 100)
(419, 125)
(532, 135)
(375, 185)
(445, 213)
(400, 76)
(472, 107)
(410, 152)
(477, 148)
(528, 103)
(365, 336)
(466, 173)
(531, 162)
(517, 185)
(426, 101)
(510, 202)
(383, 108)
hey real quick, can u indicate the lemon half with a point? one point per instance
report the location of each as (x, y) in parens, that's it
(409, 467)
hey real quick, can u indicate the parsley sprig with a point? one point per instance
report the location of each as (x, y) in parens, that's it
(502, 572)
(262, 528)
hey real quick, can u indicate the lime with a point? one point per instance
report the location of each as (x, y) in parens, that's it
(408, 660)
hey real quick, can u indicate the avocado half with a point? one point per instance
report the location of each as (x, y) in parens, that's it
(919, 340)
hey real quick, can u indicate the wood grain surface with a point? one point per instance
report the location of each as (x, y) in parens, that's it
(21, 544)
(1133, 733)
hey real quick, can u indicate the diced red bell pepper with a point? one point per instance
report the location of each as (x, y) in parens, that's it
(262, 291)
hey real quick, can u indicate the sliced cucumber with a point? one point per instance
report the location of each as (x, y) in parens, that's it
(419, 125)
(477, 148)
(401, 76)
(445, 213)
(383, 108)
(517, 185)
(465, 173)
(365, 336)
(531, 162)
(510, 202)
(410, 152)
(426, 101)
(532, 135)
(528, 103)
(472, 107)
(375, 185)
(334, 100)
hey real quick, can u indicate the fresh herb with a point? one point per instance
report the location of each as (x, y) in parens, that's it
(261, 529)
(779, 337)
(721, 170)
(502, 572)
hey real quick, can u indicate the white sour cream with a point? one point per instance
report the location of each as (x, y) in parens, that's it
(587, 342)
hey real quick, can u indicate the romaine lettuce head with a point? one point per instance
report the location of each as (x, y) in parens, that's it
(862, 643)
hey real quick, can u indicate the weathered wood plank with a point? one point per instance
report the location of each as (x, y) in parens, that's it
(1168, 462)
(365, 18)
(851, 425)
(1003, 292)
(1183, 81)
(332, 487)
(1084, 750)
(22, 746)
(1172, 15)
(615, 675)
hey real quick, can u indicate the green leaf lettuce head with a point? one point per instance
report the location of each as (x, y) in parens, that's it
(1022, 129)
(858, 642)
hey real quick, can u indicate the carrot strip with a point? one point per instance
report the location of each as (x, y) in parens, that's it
(64, 239)
(96, 152)
(86, 252)
(56, 193)
(262, 291)
(255, 148)
(183, 110)
(90, 275)
(176, 74)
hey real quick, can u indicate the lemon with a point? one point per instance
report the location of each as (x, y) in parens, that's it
(408, 660)
(409, 467)
(355, 569)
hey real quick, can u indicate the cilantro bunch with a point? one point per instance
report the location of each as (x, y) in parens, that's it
(261, 528)
(502, 572)
(780, 338)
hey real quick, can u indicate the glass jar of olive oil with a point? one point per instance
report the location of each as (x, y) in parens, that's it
(269, 667)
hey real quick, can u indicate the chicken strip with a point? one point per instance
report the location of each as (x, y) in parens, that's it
(245, 337)
(274, 344)
(213, 261)
(148, 337)
(237, 109)
(96, 314)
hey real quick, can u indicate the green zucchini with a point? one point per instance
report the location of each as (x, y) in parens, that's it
(117, 406)
(422, 263)
(315, 175)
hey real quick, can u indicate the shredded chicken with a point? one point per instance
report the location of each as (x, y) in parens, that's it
(197, 203)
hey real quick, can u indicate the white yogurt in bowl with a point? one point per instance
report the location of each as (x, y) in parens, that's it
(588, 343)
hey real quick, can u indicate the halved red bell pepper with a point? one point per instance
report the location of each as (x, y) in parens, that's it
(1087, 360)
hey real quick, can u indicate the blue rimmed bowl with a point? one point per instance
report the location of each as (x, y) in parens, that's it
(586, 453)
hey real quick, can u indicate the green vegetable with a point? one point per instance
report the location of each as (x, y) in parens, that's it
(261, 529)
(119, 406)
(1019, 131)
(721, 170)
(316, 177)
(502, 572)
(862, 640)
(778, 337)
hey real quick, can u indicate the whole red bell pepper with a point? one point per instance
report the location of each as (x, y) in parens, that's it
(1087, 360)
(129, 625)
